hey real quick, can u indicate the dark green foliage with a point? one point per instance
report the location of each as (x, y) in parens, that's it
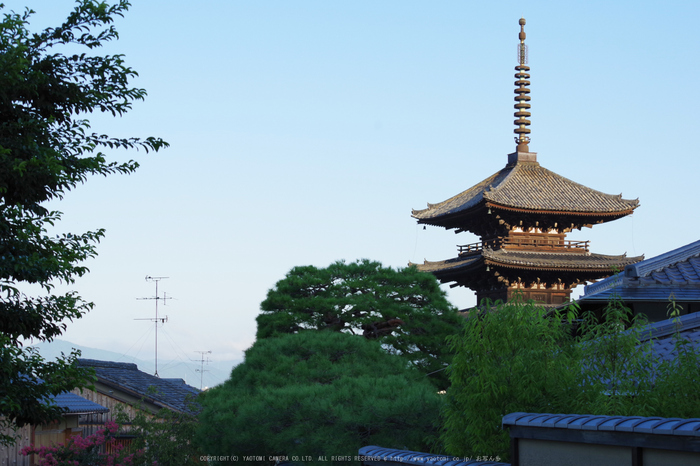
(46, 149)
(317, 393)
(404, 309)
(518, 357)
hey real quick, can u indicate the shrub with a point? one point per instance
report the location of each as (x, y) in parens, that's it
(97, 449)
(520, 357)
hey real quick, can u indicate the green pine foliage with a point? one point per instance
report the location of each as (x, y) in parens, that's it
(317, 394)
(404, 309)
(519, 357)
(46, 150)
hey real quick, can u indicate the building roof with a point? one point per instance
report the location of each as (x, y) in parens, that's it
(556, 261)
(663, 335)
(675, 274)
(183, 384)
(530, 187)
(76, 404)
(127, 377)
(589, 422)
(374, 455)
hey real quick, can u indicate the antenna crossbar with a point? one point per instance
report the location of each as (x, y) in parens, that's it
(202, 370)
(156, 319)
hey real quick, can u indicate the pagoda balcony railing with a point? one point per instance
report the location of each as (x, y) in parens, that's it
(525, 244)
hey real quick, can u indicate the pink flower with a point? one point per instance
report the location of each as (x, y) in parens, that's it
(111, 426)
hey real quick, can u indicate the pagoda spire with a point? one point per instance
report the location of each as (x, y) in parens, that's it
(522, 214)
(522, 99)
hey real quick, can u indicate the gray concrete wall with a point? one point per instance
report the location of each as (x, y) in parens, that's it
(552, 453)
(654, 457)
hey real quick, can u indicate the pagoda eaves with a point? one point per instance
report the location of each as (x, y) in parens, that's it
(522, 191)
(543, 276)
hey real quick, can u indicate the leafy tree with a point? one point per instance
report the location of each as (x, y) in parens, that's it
(519, 357)
(675, 391)
(510, 358)
(404, 309)
(615, 363)
(163, 439)
(315, 394)
(46, 150)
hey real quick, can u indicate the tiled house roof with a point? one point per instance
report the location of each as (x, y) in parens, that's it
(127, 377)
(531, 187)
(673, 274)
(76, 404)
(662, 335)
(590, 422)
(183, 384)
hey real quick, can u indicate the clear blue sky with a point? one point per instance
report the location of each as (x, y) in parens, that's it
(303, 132)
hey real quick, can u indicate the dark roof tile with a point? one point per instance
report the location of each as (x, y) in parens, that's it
(662, 335)
(673, 274)
(172, 395)
(649, 425)
(76, 404)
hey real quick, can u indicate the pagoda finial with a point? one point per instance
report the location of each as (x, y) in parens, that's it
(522, 106)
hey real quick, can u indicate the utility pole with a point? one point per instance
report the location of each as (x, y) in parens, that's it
(162, 320)
(202, 370)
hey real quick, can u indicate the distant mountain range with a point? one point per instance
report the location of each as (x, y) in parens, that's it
(215, 372)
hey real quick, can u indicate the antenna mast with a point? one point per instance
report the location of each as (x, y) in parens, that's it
(156, 319)
(202, 370)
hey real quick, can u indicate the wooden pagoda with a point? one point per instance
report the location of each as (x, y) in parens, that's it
(522, 215)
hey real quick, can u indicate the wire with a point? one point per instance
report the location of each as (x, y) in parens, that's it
(135, 343)
(150, 329)
(176, 347)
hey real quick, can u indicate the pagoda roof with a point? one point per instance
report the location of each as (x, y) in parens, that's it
(528, 187)
(554, 261)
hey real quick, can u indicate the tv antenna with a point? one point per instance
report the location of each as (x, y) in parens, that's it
(202, 370)
(157, 319)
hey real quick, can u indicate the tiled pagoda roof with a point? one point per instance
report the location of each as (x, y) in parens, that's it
(529, 187)
(532, 260)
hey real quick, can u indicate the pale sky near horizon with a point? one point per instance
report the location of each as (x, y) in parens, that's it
(304, 132)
